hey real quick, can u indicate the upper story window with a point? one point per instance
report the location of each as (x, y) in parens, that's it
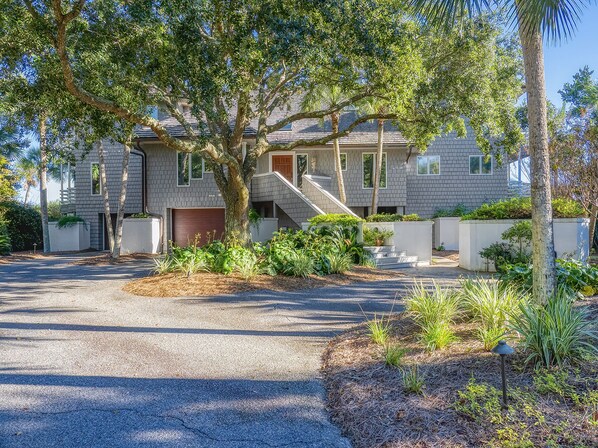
(189, 166)
(368, 161)
(480, 164)
(428, 165)
(96, 183)
(287, 127)
(344, 161)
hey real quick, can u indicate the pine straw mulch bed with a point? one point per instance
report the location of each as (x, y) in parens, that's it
(18, 256)
(367, 399)
(452, 255)
(210, 284)
(106, 259)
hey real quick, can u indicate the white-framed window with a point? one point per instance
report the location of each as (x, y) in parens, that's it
(428, 165)
(368, 164)
(343, 161)
(480, 165)
(189, 166)
(96, 180)
(153, 111)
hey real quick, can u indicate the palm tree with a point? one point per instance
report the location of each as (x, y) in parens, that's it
(535, 19)
(27, 172)
(325, 97)
(376, 106)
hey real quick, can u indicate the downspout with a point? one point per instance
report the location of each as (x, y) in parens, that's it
(143, 156)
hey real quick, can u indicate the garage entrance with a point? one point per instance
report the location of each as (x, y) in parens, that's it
(188, 222)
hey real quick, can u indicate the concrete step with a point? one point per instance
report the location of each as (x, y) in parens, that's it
(380, 255)
(402, 261)
(377, 249)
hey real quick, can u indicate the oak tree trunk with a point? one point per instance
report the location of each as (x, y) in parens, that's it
(43, 181)
(104, 190)
(593, 217)
(378, 168)
(235, 193)
(121, 202)
(543, 256)
(335, 118)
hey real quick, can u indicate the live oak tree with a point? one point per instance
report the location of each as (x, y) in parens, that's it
(239, 62)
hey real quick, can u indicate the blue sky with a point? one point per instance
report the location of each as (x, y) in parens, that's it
(562, 61)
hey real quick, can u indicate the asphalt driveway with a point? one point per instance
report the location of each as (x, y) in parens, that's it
(83, 364)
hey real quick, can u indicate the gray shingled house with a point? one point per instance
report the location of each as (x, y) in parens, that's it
(292, 186)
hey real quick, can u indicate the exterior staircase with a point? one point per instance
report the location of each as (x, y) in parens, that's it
(387, 257)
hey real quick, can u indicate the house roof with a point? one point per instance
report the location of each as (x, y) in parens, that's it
(308, 129)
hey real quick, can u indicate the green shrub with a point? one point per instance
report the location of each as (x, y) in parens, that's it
(521, 208)
(141, 215)
(458, 210)
(393, 355)
(249, 269)
(379, 329)
(555, 333)
(336, 219)
(428, 307)
(434, 312)
(23, 224)
(572, 274)
(300, 264)
(491, 305)
(5, 246)
(413, 381)
(437, 335)
(68, 221)
(340, 263)
(517, 250)
(375, 236)
(392, 217)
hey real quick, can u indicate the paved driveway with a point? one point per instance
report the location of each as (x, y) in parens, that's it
(83, 364)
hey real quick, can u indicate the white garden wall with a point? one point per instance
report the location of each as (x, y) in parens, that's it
(264, 230)
(571, 240)
(71, 238)
(446, 232)
(413, 237)
(141, 236)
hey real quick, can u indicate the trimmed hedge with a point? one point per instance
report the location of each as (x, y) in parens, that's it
(521, 208)
(339, 219)
(24, 225)
(457, 211)
(392, 217)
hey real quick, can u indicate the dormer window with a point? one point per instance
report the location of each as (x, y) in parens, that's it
(152, 111)
(287, 127)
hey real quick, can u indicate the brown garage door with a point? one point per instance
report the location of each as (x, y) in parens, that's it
(186, 223)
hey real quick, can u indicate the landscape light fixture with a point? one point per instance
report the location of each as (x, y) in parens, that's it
(503, 350)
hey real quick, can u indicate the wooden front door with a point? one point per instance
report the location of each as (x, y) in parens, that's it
(284, 165)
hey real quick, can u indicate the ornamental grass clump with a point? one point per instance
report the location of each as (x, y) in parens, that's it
(393, 355)
(555, 333)
(434, 311)
(379, 329)
(413, 380)
(492, 305)
(299, 264)
(340, 263)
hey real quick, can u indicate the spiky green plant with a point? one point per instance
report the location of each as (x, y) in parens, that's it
(430, 306)
(300, 264)
(379, 329)
(393, 355)
(340, 263)
(437, 335)
(164, 265)
(413, 380)
(248, 269)
(555, 333)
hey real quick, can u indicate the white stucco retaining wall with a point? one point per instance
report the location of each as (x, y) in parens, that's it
(446, 232)
(264, 230)
(141, 236)
(71, 238)
(413, 237)
(571, 240)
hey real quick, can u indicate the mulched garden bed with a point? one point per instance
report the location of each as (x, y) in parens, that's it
(106, 259)
(452, 255)
(460, 405)
(209, 284)
(18, 256)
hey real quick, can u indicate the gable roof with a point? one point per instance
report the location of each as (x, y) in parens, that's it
(308, 129)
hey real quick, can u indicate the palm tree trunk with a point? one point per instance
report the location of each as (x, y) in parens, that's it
(43, 182)
(543, 256)
(378, 172)
(104, 190)
(27, 190)
(335, 118)
(118, 234)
